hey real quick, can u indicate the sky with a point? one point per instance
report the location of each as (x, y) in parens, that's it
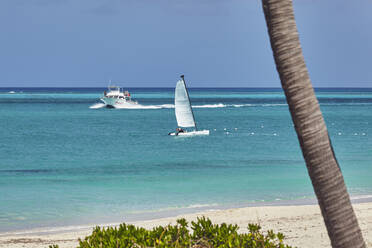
(149, 43)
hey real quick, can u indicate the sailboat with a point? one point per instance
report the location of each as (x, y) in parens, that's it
(184, 115)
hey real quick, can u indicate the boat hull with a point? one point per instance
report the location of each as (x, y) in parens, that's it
(192, 133)
(115, 102)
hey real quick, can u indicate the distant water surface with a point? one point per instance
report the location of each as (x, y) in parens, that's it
(64, 160)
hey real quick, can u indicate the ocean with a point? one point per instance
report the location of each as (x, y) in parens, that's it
(66, 161)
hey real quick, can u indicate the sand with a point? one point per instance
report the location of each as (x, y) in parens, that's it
(302, 225)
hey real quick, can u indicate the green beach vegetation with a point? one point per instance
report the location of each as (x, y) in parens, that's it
(200, 234)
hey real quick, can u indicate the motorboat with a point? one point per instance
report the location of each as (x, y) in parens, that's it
(115, 97)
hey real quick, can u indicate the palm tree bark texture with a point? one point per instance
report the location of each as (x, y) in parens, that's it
(322, 166)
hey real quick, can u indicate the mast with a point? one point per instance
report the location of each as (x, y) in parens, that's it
(187, 93)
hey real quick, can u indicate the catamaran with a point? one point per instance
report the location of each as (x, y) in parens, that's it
(184, 115)
(115, 97)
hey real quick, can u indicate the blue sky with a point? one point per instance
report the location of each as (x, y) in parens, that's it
(149, 43)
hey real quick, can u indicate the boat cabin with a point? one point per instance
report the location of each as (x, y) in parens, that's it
(115, 92)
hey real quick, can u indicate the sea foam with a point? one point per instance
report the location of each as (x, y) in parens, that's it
(97, 106)
(167, 106)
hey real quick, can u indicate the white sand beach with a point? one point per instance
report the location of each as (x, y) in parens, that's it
(302, 225)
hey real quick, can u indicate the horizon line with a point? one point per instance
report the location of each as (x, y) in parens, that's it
(190, 87)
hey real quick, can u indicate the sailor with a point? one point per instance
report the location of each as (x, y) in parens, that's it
(178, 130)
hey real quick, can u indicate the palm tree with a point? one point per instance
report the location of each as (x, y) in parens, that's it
(322, 166)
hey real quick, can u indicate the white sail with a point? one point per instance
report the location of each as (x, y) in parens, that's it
(184, 115)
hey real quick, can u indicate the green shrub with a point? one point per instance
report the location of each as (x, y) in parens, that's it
(201, 234)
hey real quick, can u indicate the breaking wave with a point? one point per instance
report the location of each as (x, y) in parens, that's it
(359, 197)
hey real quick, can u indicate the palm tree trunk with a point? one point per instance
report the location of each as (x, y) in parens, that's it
(323, 169)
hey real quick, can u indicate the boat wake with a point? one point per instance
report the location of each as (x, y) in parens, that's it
(133, 106)
(219, 105)
(140, 106)
(97, 106)
(169, 106)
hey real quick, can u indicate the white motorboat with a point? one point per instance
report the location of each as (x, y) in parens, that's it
(115, 97)
(184, 115)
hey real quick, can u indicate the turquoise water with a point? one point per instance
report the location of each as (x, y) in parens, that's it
(66, 161)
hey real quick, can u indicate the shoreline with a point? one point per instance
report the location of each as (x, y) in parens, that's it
(172, 212)
(301, 224)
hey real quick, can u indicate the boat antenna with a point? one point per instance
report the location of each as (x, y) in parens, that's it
(187, 92)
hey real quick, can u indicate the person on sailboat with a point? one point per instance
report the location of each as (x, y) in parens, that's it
(178, 130)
